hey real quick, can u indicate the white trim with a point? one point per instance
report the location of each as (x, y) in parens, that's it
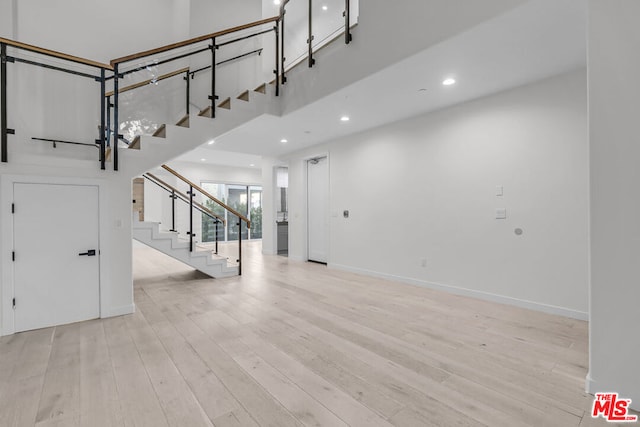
(119, 311)
(545, 308)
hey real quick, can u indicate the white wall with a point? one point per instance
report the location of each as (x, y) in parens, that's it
(6, 18)
(209, 16)
(101, 30)
(115, 232)
(614, 66)
(426, 188)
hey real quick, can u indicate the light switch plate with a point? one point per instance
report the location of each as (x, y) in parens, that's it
(499, 191)
(501, 213)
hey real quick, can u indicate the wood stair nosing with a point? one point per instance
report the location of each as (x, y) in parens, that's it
(206, 112)
(135, 144)
(244, 96)
(226, 104)
(183, 122)
(161, 132)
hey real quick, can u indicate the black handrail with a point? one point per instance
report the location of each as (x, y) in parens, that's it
(59, 141)
(208, 67)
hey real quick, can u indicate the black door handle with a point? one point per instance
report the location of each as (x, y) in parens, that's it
(90, 252)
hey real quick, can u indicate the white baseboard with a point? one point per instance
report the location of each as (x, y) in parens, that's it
(120, 311)
(545, 308)
(592, 387)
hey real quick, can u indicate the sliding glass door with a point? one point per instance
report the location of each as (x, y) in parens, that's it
(246, 200)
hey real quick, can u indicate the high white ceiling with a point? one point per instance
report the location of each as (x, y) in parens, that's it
(540, 39)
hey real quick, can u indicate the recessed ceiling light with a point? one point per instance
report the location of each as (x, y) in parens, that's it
(284, 140)
(252, 165)
(276, 2)
(213, 141)
(449, 81)
(345, 118)
(203, 160)
(325, 7)
(422, 90)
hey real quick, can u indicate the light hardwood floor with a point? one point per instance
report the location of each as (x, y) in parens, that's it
(293, 344)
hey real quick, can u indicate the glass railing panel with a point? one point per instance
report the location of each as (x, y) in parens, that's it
(296, 32)
(161, 97)
(39, 106)
(328, 21)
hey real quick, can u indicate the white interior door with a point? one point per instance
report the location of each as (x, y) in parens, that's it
(53, 283)
(318, 209)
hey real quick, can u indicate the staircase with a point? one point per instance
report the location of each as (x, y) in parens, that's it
(168, 243)
(169, 140)
(191, 131)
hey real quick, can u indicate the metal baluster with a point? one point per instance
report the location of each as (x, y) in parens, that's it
(109, 133)
(310, 40)
(283, 59)
(103, 152)
(213, 96)
(173, 210)
(190, 218)
(217, 223)
(3, 101)
(116, 125)
(186, 77)
(239, 247)
(277, 70)
(347, 22)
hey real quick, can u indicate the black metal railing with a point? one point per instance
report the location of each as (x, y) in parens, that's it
(191, 194)
(6, 58)
(311, 37)
(175, 194)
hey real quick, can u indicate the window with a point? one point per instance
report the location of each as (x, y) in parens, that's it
(246, 200)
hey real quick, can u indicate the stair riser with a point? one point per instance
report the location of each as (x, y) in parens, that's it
(168, 243)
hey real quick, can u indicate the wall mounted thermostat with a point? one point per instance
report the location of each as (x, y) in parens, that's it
(345, 214)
